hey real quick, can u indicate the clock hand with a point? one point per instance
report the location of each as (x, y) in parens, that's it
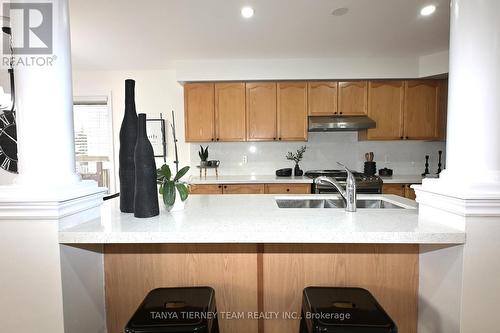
(10, 137)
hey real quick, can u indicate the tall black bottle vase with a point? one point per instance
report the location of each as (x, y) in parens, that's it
(146, 194)
(128, 138)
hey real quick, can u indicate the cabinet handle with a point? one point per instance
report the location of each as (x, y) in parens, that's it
(402, 137)
(212, 139)
(340, 112)
(274, 138)
(225, 186)
(220, 186)
(406, 138)
(279, 138)
(217, 139)
(403, 186)
(335, 113)
(288, 190)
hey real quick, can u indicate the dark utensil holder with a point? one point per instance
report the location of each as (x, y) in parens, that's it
(370, 168)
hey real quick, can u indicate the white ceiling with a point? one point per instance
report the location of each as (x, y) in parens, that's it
(152, 34)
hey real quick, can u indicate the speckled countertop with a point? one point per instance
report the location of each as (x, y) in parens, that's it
(258, 219)
(268, 179)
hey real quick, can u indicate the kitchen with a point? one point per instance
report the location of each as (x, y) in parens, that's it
(258, 239)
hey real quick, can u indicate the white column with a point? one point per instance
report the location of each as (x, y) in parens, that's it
(473, 142)
(46, 151)
(467, 195)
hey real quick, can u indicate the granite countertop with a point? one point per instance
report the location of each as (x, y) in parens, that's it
(258, 219)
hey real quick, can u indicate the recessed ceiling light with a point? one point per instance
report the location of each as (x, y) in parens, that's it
(428, 10)
(247, 12)
(340, 11)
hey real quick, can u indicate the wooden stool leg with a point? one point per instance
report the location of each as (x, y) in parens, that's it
(216, 173)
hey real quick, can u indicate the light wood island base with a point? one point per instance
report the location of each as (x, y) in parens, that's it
(261, 278)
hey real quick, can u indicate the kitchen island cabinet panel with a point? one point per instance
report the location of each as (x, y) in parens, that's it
(262, 278)
(131, 271)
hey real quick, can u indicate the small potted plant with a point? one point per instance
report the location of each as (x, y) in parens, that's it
(172, 189)
(297, 157)
(203, 153)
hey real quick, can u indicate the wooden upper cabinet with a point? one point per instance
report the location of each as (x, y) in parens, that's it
(230, 112)
(385, 107)
(261, 111)
(443, 109)
(421, 110)
(353, 98)
(292, 111)
(199, 112)
(322, 99)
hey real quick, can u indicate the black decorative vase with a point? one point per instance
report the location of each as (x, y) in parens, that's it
(146, 194)
(128, 138)
(297, 171)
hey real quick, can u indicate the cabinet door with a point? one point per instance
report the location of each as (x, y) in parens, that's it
(443, 109)
(409, 192)
(353, 98)
(199, 112)
(396, 189)
(292, 111)
(322, 98)
(205, 189)
(385, 107)
(288, 188)
(421, 110)
(243, 189)
(261, 111)
(230, 111)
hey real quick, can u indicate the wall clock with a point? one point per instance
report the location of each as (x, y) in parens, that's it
(8, 141)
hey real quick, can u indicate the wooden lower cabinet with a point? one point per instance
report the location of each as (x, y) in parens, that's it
(279, 188)
(261, 278)
(402, 190)
(288, 188)
(243, 189)
(205, 189)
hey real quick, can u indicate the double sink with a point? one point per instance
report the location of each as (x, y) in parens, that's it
(375, 203)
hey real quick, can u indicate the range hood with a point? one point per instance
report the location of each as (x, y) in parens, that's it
(340, 123)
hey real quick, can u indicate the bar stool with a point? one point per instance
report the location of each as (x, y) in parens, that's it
(343, 310)
(179, 310)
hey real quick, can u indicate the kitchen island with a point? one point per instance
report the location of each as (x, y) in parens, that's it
(257, 256)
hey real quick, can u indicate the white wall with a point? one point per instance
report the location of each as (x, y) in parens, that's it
(434, 64)
(156, 91)
(324, 150)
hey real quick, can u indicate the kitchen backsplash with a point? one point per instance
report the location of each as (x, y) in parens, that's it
(323, 151)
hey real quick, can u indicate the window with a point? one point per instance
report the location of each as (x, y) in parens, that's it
(94, 140)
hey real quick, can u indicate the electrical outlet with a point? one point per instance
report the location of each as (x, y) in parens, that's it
(245, 159)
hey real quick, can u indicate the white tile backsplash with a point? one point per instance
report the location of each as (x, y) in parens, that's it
(323, 151)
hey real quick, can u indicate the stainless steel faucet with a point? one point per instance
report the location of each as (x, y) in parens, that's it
(348, 194)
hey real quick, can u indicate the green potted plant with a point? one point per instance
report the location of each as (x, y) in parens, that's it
(172, 189)
(297, 157)
(203, 154)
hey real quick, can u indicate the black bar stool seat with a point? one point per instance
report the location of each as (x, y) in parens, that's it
(343, 310)
(176, 310)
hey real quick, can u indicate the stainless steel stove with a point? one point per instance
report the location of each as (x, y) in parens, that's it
(364, 183)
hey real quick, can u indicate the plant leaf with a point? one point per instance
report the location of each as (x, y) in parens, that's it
(169, 193)
(181, 173)
(161, 188)
(183, 191)
(165, 172)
